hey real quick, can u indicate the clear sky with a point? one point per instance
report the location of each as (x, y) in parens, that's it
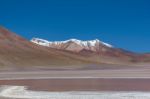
(122, 23)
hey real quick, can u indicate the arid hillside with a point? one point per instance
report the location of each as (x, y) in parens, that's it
(17, 51)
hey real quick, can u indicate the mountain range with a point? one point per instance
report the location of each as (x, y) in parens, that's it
(17, 51)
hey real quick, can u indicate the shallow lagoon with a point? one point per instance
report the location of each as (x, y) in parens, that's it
(21, 92)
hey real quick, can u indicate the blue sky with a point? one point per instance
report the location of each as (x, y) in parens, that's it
(122, 23)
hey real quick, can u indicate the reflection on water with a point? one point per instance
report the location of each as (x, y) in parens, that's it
(21, 92)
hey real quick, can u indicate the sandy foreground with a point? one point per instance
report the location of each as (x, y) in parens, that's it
(106, 73)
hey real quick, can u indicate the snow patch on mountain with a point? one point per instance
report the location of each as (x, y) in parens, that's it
(40, 41)
(88, 43)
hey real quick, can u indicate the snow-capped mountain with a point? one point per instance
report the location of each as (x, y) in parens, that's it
(73, 44)
(17, 51)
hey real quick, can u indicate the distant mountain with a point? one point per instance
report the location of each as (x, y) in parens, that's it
(79, 46)
(95, 48)
(73, 44)
(17, 52)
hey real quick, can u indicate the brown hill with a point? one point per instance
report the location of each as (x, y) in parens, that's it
(17, 51)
